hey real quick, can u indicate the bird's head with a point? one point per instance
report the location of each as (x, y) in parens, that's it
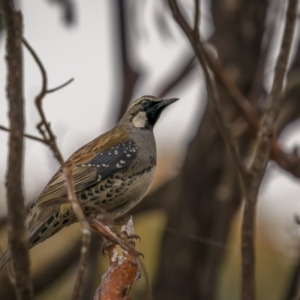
(144, 112)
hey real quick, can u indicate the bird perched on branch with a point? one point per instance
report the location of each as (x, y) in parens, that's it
(111, 174)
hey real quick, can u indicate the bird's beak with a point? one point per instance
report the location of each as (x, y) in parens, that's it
(167, 102)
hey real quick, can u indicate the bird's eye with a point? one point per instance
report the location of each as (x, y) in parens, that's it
(146, 103)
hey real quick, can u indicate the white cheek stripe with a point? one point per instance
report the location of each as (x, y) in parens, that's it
(140, 120)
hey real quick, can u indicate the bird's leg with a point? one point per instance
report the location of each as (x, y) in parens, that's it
(125, 233)
(128, 239)
(124, 241)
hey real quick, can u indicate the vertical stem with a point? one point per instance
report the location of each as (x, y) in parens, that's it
(15, 197)
(129, 74)
(248, 251)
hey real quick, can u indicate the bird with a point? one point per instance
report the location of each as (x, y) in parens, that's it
(111, 174)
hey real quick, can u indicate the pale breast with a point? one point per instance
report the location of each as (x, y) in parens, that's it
(116, 194)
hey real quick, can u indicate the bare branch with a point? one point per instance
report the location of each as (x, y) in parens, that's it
(46, 132)
(129, 75)
(212, 90)
(197, 17)
(85, 230)
(288, 161)
(60, 86)
(39, 63)
(261, 155)
(123, 271)
(275, 99)
(240, 100)
(222, 124)
(32, 137)
(257, 89)
(15, 197)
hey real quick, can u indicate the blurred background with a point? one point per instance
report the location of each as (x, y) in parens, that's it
(119, 50)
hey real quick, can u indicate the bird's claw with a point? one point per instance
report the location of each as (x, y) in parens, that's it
(126, 242)
(129, 237)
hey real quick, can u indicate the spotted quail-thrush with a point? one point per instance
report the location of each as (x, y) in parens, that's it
(111, 174)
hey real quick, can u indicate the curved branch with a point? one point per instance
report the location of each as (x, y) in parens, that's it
(51, 138)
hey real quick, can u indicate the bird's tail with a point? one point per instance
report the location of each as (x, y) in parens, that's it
(36, 236)
(41, 229)
(5, 258)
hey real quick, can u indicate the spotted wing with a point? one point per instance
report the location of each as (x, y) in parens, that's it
(88, 172)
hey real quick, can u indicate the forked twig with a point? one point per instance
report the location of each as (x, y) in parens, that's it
(51, 138)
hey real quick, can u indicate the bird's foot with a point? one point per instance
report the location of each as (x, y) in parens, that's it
(127, 240)
(123, 239)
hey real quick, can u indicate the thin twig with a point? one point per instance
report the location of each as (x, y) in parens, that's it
(32, 137)
(15, 197)
(85, 230)
(222, 124)
(51, 138)
(290, 162)
(212, 90)
(240, 100)
(130, 75)
(197, 17)
(60, 86)
(261, 155)
(257, 89)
